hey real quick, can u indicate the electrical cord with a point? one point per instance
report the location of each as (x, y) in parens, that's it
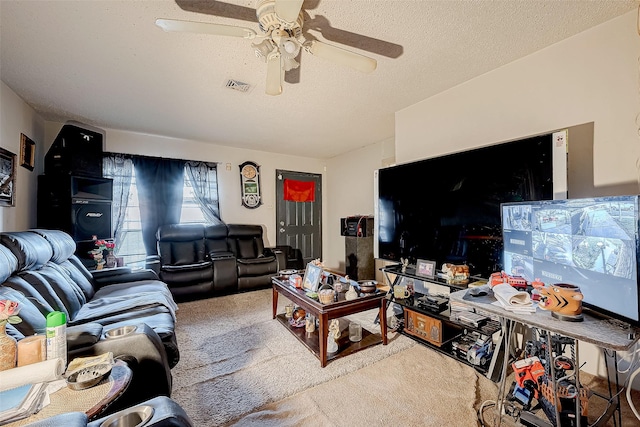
(486, 404)
(632, 362)
(628, 394)
(633, 366)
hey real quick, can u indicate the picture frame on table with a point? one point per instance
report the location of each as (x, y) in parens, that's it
(425, 268)
(27, 152)
(7, 178)
(312, 276)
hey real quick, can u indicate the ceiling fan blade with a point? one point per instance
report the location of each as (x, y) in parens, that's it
(205, 28)
(344, 57)
(288, 10)
(379, 47)
(218, 8)
(274, 74)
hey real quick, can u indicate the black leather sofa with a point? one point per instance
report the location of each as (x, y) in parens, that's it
(203, 260)
(38, 269)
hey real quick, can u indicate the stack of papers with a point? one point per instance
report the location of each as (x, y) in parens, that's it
(20, 402)
(512, 299)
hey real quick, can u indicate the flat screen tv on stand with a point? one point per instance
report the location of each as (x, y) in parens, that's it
(447, 208)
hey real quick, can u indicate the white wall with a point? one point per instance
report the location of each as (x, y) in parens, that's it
(350, 186)
(231, 208)
(591, 77)
(17, 117)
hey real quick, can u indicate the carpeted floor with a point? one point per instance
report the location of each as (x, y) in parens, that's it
(240, 367)
(236, 358)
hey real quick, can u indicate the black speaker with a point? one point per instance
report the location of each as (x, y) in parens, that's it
(80, 206)
(359, 262)
(89, 218)
(77, 150)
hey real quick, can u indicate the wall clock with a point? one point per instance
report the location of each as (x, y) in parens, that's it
(250, 185)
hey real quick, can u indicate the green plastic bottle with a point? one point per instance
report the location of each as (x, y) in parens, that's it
(56, 333)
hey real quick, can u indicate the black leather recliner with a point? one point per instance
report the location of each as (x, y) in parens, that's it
(256, 264)
(47, 271)
(184, 263)
(38, 269)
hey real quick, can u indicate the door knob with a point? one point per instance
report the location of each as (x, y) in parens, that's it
(282, 230)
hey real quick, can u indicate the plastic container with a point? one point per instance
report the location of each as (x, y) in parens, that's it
(56, 333)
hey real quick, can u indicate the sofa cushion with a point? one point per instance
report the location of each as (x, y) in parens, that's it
(42, 287)
(215, 239)
(79, 277)
(62, 244)
(30, 249)
(245, 241)
(69, 293)
(8, 263)
(180, 244)
(186, 253)
(246, 248)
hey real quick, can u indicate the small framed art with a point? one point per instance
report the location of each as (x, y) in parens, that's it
(7, 178)
(27, 152)
(426, 268)
(312, 276)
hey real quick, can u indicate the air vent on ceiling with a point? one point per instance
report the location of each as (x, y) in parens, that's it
(238, 85)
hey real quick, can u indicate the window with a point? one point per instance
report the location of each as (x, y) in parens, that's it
(130, 244)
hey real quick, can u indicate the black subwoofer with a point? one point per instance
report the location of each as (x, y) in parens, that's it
(90, 219)
(80, 206)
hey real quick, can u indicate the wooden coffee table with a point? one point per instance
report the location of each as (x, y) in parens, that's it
(316, 341)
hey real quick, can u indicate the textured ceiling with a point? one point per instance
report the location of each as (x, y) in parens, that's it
(105, 63)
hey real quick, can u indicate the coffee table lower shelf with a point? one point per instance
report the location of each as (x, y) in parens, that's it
(345, 346)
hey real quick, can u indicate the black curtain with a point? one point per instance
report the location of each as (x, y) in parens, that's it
(160, 183)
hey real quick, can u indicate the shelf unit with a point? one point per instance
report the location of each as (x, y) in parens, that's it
(436, 329)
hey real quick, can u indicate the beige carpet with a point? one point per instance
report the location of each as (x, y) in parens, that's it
(417, 387)
(240, 367)
(236, 358)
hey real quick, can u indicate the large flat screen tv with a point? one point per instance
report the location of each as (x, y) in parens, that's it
(447, 209)
(591, 243)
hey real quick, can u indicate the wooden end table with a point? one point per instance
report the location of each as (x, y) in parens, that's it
(316, 342)
(92, 401)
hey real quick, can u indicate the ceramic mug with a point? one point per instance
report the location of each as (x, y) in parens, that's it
(400, 292)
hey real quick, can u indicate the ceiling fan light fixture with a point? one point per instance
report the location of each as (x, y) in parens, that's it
(263, 49)
(289, 46)
(289, 64)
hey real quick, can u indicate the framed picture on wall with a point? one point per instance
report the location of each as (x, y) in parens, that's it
(425, 268)
(27, 152)
(7, 178)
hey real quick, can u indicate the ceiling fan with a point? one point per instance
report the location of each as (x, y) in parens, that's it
(281, 39)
